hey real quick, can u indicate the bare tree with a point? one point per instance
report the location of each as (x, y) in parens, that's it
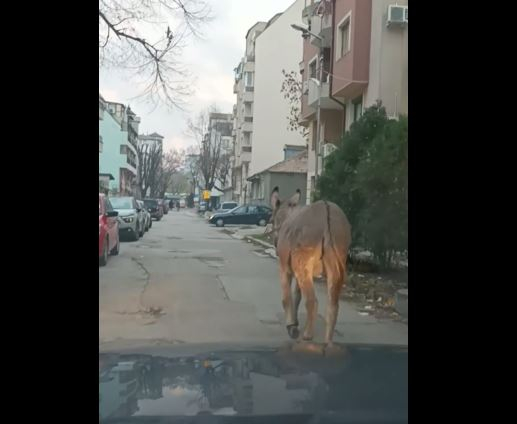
(171, 163)
(292, 88)
(210, 148)
(179, 183)
(149, 165)
(223, 170)
(146, 37)
(192, 166)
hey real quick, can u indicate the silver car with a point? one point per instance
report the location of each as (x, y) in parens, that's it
(131, 217)
(148, 222)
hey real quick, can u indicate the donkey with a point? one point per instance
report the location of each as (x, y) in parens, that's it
(310, 240)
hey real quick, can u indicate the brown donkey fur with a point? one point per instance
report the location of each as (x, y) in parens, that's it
(310, 240)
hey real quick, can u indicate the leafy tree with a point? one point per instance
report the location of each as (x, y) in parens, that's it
(292, 91)
(367, 177)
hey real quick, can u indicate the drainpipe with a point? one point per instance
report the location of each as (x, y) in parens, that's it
(332, 56)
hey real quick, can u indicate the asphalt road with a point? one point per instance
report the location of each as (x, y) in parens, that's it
(188, 282)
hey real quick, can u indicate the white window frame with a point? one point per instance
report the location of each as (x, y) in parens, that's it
(347, 17)
(246, 79)
(309, 63)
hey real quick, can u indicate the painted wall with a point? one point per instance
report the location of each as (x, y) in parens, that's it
(278, 47)
(111, 160)
(286, 182)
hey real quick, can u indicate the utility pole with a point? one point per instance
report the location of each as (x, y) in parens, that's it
(318, 118)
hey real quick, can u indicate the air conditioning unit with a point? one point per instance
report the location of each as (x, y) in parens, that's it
(397, 15)
(327, 149)
(305, 87)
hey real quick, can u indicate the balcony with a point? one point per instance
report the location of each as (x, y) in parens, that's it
(248, 119)
(247, 126)
(321, 25)
(131, 161)
(308, 11)
(314, 93)
(250, 58)
(247, 96)
(245, 154)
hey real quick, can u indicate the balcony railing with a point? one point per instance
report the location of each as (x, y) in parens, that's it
(131, 162)
(314, 93)
(248, 88)
(246, 149)
(248, 119)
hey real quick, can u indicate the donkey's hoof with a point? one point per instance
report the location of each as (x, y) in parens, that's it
(307, 338)
(293, 331)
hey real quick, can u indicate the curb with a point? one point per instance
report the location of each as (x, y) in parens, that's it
(262, 243)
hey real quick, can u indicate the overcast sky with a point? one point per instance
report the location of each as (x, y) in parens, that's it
(211, 60)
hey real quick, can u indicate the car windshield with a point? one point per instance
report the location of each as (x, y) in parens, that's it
(122, 202)
(229, 206)
(269, 145)
(150, 203)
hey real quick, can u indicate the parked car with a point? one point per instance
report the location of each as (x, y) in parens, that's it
(247, 214)
(182, 203)
(154, 208)
(226, 206)
(165, 205)
(109, 243)
(131, 216)
(148, 222)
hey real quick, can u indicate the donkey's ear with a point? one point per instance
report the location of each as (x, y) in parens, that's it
(295, 199)
(275, 198)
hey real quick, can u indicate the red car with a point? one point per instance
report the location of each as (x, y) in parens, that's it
(109, 243)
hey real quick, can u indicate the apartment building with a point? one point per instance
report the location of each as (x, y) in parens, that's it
(118, 132)
(278, 47)
(151, 140)
(355, 52)
(243, 116)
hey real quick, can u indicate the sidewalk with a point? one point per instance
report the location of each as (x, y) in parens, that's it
(354, 325)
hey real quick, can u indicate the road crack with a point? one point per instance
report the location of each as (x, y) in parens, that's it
(155, 312)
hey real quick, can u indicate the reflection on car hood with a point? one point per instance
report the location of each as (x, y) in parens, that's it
(217, 214)
(362, 383)
(126, 212)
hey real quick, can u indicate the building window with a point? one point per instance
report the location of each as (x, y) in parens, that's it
(248, 79)
(313, 64)
(358, 108)
(343, 37)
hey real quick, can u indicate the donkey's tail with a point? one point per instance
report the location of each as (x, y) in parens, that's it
(334, 260)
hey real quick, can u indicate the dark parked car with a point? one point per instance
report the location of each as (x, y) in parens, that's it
(154, 208)
(164, 205)
(247, 214)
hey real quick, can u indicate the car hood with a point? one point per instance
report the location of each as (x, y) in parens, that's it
(218, 214)
(356, 383)
(126, 212)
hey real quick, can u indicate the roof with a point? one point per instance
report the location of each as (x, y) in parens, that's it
(253, 26)
(296, 164)
(273, 19)
(294, 147)
(153, 135)
(111, 177)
